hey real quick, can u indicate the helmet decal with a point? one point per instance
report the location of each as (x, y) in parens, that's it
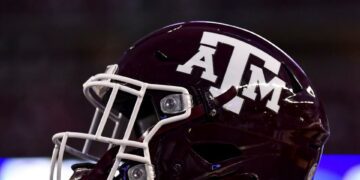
(235, 70)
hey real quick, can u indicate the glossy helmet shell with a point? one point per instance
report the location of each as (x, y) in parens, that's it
(256, 142)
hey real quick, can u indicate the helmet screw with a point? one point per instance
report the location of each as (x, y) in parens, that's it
(212, 112)
(177, 169)
(137, 173)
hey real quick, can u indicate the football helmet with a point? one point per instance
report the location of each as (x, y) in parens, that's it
(199, 100)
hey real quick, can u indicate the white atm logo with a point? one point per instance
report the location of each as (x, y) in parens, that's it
(234, 72)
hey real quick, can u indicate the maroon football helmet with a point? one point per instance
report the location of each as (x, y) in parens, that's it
(200, 100)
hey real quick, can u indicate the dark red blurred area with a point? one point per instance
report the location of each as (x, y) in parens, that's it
(49, 48)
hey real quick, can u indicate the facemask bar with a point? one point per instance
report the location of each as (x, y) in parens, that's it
(110, 81)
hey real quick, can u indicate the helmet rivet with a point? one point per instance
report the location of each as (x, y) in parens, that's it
(137, 173)
(170, 103)
(177, 169)
(212, 112)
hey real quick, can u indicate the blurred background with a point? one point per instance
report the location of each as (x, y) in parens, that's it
(49, 48)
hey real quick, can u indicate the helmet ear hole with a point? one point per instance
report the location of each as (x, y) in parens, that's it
(216, 152)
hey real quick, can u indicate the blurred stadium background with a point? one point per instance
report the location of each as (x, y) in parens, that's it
(49, 48)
